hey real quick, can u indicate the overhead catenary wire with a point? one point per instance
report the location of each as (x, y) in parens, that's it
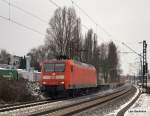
(101, 27)
(83, 11)
(54, 3)
(23, 10)
(87, 15)
(58, 6)
(9, 9)
(85, 26)
(22, 25)
(91, 19)
(126, 52)
(131, 49)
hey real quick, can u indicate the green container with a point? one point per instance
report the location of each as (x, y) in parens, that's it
(9, 73)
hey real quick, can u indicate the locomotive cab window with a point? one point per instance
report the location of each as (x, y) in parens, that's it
(59, 67)
(49, 67)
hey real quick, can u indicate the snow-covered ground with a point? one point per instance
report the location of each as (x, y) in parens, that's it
(141, 107)
(34, 89)
(115, 112)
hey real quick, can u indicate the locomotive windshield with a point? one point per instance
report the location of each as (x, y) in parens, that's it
(49, 67)
(59, 67)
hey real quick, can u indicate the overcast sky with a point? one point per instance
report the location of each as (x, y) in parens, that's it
(126, 20)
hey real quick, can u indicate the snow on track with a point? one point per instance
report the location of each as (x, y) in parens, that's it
(114, 113)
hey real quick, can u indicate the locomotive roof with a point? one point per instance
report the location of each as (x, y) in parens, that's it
(74, 61)
(83, 64)
(54, 61)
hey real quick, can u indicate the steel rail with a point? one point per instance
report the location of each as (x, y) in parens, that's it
(16, 106)
(79, 106)
(22, 105)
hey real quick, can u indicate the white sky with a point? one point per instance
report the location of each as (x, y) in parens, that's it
(126, 20)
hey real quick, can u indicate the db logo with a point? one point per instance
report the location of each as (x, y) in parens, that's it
(53, 74)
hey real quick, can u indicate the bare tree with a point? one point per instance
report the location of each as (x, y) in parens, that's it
(64, 26)
(96, 54)
(76, 42)
(88, 47)
(37, 56)
(64, 37)
(104, 61)
(113, 61)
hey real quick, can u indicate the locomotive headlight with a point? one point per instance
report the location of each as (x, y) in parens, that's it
(44, 82)
(46, 77)
(59, 76)
(62, 82)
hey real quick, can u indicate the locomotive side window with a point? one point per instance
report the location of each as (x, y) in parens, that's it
(49, 67)
(59, 67)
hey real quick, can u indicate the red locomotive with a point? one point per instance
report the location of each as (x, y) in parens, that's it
(67, 76)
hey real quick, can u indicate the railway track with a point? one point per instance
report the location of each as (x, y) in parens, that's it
(84, 105)
(22, 103)
(111, 107)
(17, 106)
(64, 107)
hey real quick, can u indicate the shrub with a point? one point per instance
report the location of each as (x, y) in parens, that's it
(14, 90)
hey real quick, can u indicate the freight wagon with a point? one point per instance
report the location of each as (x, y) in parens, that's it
(9, 73)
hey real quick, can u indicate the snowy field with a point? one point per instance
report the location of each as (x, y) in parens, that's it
(141, 107)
